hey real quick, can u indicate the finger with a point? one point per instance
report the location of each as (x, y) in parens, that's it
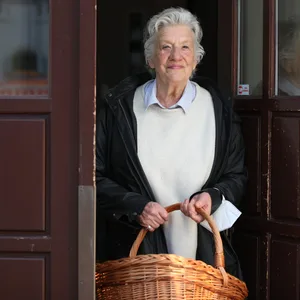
(200, 202)
(160, 220)
(191, 207)
(159, 214)
(154, 222)
(150, 228)
(156, 209)
(154, 225)
(163, 214)
(152, 209)
(144, 222)
(204, 207)
(184, 207)
(197, 218)
(181, 207)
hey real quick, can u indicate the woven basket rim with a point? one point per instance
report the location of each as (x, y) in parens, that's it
(164, 259)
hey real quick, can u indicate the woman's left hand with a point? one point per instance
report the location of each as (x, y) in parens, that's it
(202, 200)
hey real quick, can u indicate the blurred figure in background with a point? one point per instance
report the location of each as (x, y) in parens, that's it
(289, 57)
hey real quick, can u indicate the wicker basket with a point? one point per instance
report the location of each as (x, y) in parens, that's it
(168, 276)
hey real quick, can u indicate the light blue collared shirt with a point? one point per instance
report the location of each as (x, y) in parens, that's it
(184, 102)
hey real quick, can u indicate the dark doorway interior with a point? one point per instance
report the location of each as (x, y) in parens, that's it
(120, 30)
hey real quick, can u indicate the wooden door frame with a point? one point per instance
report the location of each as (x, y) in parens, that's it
(226, 40)
(86, 167)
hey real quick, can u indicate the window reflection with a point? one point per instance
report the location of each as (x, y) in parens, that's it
(288, 55)
(250, 27)
(24, 34)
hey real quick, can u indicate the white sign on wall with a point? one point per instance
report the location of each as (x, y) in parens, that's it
(243, 89)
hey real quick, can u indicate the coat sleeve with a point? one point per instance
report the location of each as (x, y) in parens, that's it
(113, 200)
(232, 182)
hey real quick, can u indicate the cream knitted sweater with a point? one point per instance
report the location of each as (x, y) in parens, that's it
(176, 150)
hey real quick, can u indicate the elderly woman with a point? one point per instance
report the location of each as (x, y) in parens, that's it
(289, 57)
(167, 140)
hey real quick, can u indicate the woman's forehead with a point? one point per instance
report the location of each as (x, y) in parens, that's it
(176, 32)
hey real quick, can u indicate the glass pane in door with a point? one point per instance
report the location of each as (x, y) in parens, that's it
(288, 48)
(250, 47)
(24, 51)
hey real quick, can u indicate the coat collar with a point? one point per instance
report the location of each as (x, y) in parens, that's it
(129, 85)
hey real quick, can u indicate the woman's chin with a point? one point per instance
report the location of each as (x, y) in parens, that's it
(176, 78)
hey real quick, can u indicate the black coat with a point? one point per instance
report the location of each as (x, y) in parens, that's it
(123, 189)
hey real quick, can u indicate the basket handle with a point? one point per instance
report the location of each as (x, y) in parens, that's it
(219, 254)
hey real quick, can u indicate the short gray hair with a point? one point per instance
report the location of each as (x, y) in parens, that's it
(288, 39)
(169, 17)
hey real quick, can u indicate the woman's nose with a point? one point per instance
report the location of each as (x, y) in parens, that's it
(175, 54)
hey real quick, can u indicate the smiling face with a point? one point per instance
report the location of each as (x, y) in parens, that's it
(174, 54)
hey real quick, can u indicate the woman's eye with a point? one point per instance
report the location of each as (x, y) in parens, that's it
(185, 47)
(165, 46)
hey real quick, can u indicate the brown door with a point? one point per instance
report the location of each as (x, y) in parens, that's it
(259, 62)
(39, 148)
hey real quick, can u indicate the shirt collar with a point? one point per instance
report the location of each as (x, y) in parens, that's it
(184, 102)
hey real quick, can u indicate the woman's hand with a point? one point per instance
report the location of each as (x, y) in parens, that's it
(153, 216)
(202, 200)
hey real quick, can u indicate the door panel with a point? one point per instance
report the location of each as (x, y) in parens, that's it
(251, 133)
(32, 286)
(251, 260)
(39, 151)
(281, 269)
(23, 133)
(285, 167)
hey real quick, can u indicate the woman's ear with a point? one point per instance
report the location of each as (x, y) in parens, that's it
(151, 64)
(195, 65)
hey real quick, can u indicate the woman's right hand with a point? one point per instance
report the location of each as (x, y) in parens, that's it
(153, 216)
